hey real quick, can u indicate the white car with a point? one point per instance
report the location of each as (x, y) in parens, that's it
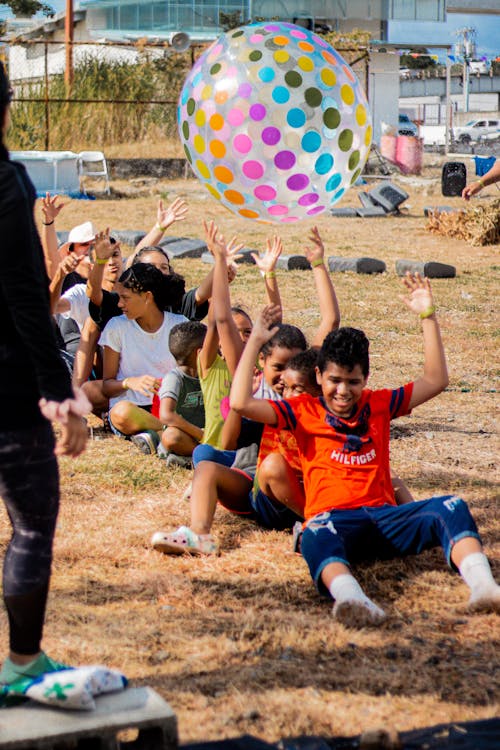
(477, 130)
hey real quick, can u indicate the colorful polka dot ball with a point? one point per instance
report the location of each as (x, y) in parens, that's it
(274, 122)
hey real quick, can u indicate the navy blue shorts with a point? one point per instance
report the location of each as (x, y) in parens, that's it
(271, 514)
(352, 536)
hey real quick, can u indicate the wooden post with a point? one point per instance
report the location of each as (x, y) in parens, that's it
(68, 39)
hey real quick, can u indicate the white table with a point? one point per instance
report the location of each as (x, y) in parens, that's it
(52, 171)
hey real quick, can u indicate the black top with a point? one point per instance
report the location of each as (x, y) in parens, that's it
(30, 364)
(109, 308)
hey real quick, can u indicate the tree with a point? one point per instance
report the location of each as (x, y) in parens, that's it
(417, 58)
(29, 7)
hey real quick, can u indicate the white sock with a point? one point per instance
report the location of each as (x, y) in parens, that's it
(346, 588)
(476, 572)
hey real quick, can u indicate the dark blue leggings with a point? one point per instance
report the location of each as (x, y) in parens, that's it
(29, 486)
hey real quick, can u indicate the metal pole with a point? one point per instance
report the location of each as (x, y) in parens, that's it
(448, 105)
(68, 40)
(47, 107)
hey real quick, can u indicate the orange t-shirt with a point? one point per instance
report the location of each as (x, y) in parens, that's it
(283, 442)
(345, 462)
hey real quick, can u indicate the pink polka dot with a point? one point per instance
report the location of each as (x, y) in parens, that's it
(265, 193)
(277, 210)
(272, 27)
(242, 143)
(256, 38)
(298, 34)
(253, 170)
(315, 210)
(289, 219)
(236, 117)
(244, 90)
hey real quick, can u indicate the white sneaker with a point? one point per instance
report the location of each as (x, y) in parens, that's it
(184, 541)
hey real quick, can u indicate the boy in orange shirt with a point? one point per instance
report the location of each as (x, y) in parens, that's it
(343, 440)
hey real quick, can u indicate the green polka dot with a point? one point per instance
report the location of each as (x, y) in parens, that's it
(190, 106)
(215, 69)
(345, 140)
(238, 33)
(331, 118)
(313, 97)
(355, 176)
(354, 159)
(185, 130)
(293, 79)
(255, 55)
(188, 154)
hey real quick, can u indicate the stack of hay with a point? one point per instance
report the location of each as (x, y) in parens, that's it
(476, 225)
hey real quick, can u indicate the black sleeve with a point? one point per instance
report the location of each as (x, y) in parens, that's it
(190, 309)
(108, 309)
(24, 284)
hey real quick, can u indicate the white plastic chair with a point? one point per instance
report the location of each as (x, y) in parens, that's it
(92, 164)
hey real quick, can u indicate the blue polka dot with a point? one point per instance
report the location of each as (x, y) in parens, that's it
(311, 141)
(339, 194)
(324, 163)
(266, 75)
(333, 182)
(296, 118)
(281, 95)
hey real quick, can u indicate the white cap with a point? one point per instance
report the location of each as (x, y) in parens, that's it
(85, 232)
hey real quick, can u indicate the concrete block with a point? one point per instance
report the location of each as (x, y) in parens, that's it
(130, 237)
(366, 200)
(358, 265)
(245, 257)
(371, 211)
(37, 727)
(347, 211)
(293, 263)
(183, 247)
(431, 269)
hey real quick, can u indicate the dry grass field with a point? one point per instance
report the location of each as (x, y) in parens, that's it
(242, 643)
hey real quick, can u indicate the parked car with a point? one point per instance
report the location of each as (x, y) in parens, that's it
(406, 126)
(477, 130)
(479, 66)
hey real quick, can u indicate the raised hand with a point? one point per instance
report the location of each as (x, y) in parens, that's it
(50, 208)
(317, 250)
(419, 298)
(177, 211)
(217, 244)
(265, 326)
(68, 264)
(102, 246)
(267, 262)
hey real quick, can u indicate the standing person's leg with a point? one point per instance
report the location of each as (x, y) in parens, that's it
(29, 485)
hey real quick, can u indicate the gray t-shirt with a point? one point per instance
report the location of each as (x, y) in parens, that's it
(186, 391)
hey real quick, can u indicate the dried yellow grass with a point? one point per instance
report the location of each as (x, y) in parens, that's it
(242, 643)
(477, 225)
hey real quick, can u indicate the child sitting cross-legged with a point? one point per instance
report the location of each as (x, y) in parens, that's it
(343, 440)
(181, 400)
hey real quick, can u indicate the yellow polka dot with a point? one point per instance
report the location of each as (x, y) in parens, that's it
(305, 63)
(328, 77)
(233, 196)
(213, 191)
(223, 174)
(200, 118)
(206, 92)
(202, 169)
(368, 135)
(347, 94)
(216, 122)
(360, 114)
(282, 41)
(199, 144)
(281, 56)
(217, 149)
(248, 213)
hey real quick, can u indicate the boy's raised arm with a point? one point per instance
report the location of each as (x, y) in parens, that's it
(328, 304)
(165, 217)
(435, 375)
(241, 399)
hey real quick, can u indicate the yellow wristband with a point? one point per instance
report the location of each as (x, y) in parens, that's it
(270, 274)
(480, 182)
(101, 261)
(427, 313)
(318, 262)
(160, 228)
(125, 384)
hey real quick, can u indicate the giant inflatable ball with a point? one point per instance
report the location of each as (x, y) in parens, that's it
(274, 122)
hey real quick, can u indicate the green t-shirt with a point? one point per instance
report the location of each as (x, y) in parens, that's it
(215, 386)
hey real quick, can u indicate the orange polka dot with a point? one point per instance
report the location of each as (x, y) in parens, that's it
(329, 57)
(248, 214)
(217, 149)
(223, 174)
(221, 97)
(233, 196)
(281, 40)
(216, 122)
(306, 46)
(348, 73)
